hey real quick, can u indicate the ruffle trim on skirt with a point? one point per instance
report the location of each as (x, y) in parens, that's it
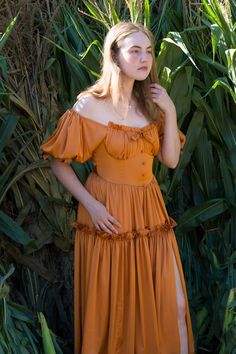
(128, 235)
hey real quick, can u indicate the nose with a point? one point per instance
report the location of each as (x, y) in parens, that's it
(143, 56)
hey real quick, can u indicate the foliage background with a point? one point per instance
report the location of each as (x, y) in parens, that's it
(50, 54)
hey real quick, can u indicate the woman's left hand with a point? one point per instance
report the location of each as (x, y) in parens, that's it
(160, 96)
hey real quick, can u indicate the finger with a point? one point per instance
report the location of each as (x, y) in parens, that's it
(105, 228)
(114, 221)
(111, 227)
(156, 89)
(98, 227)
(155, 92)
(155, 97)
(155, 84)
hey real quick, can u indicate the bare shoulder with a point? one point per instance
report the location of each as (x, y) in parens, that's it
(88, 106)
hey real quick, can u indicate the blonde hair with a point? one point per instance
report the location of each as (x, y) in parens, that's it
(110, 83)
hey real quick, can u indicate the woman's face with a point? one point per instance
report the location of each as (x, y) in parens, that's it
(135, 53)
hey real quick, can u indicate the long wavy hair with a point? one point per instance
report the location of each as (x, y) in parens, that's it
(110, 82)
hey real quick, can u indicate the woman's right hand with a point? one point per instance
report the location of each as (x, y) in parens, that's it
(102, 220)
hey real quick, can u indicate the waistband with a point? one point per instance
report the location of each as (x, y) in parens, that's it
(135, 171)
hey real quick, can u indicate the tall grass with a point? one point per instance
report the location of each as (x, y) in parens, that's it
(195, 52)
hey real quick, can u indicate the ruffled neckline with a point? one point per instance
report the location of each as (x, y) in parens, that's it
(116, 125)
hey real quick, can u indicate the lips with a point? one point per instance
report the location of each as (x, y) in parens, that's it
(143, 68)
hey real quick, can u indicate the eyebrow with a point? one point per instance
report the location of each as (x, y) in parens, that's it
(137, 46)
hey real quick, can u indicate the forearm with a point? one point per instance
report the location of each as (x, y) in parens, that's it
(101, 218)
(70, 181)
(170, 149)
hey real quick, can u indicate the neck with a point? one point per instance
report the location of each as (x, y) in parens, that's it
(127, 88)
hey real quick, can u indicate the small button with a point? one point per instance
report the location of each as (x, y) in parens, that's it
(141, 150)
(143, 174)
(143, 163)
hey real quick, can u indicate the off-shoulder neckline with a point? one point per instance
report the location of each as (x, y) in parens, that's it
(115, 125)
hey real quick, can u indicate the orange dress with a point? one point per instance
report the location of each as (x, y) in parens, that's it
(124, 284)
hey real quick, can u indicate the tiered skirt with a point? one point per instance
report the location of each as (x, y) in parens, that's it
(124, 284)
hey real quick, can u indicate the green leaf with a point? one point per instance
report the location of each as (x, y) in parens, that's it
(182, 94)
(213, 63)
(33, 341)
(227, 178)
(4, 68)
(7, 128)
(11, 229)
(30, 168)
(205, 165)
(223, 82)
(229, 318)
(7, 275)
(192, 136)
(164, 12)
(169, 56)
(1, 349)
(195, 216)
(50, 62)
(93, 10)
(178, 41)
(20, 312)
(82, 170)
(210, 13)
(114, 16)
(216, 37)
(94, 43)
(8, 31)
(73, 57)
(165, 79)
(147, 13)
(231, 61)
(210, 116)
(47, 339)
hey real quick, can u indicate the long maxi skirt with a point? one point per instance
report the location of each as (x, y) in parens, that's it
(125, 284)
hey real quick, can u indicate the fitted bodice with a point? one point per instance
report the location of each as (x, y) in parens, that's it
(125, 155)
(135, 170)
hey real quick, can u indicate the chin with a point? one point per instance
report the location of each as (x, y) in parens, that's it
(141, 78)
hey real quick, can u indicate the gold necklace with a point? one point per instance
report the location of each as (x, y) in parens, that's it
(122, 117)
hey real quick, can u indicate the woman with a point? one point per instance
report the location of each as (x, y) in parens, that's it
(129, 287)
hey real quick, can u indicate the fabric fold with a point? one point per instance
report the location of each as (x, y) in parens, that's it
(127, 297)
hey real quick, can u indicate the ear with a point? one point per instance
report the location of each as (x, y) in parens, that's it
(114, 57)
(116, 61)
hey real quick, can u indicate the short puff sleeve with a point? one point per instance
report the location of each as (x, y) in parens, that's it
(74, 139)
